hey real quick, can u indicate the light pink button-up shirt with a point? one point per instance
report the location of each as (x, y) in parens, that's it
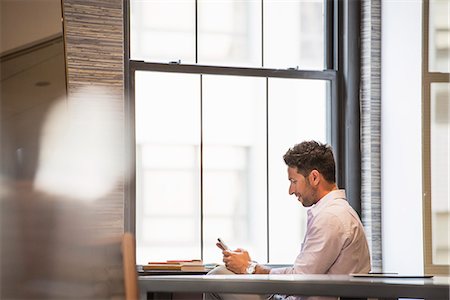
(334, 242)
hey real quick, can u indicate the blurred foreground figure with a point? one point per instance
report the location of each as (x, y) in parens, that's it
(53, 244)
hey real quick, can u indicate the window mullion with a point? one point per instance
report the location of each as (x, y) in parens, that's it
(196, 31)
(201, 167)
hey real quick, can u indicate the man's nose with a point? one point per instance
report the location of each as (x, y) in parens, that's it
(291, 190)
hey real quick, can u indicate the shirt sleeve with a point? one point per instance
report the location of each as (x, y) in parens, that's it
(322, 246)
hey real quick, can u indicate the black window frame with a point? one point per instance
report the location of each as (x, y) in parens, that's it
(342, 70)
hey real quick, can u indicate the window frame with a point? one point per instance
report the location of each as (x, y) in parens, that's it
(342, 64)
(428, 78)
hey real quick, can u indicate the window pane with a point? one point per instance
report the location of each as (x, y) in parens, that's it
(440, 171)
(234, 164)
(230, 32)
(167, 166)
(162, 30)
(294, 34)
(439, 36)
(297, 112)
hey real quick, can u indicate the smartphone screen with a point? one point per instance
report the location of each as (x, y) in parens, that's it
(221, 244)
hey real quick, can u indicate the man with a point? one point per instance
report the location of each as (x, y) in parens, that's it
(334, 242)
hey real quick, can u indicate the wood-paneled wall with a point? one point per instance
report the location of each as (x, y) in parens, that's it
(371, 128)
(94, 45)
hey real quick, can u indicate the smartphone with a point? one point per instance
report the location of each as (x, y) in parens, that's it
(221, 244)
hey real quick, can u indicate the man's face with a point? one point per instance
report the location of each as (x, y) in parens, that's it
(301, 188)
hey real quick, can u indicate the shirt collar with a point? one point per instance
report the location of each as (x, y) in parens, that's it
(316, 208)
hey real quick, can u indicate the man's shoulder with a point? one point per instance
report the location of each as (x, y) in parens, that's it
(336, 206)
(338, 210)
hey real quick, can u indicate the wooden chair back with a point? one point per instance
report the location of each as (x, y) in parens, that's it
(129, 267)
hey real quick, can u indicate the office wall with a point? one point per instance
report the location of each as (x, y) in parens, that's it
(401, 149)
(32, 79)
(93, 31)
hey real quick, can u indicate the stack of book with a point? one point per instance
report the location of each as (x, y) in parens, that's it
(180, 265)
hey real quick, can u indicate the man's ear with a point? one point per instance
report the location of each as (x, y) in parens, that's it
(314, 177)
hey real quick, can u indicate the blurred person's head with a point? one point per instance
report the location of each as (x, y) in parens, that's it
(81, 146)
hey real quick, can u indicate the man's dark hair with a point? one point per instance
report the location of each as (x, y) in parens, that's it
(312, 155)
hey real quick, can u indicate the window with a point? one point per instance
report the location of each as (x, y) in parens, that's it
(219, 90)
(436, 126)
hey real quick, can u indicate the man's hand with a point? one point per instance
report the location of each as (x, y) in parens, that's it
(236, 261)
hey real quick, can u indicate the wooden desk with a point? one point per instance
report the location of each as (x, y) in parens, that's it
(305, 285)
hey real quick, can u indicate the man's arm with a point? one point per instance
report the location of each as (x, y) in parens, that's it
(262, 269)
